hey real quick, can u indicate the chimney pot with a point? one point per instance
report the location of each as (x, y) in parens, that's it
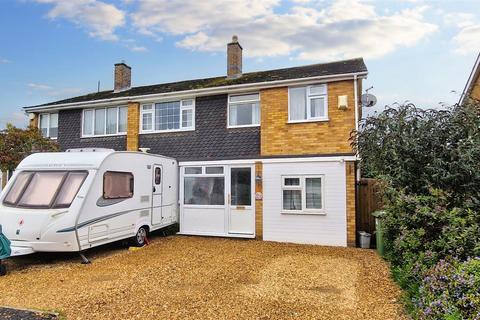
(122, 77)
(234, 59)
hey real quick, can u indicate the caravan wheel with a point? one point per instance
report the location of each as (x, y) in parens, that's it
(139, 239)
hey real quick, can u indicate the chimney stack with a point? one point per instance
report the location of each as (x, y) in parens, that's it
(234, 59)
(123, 77)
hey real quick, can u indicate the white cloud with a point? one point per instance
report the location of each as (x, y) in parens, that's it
(468, 31)
(467, 40)
(50, 91)
(39, 86)
(346, 28)
(3, 61)
(138, 49)
(459, 19)
(99, 18)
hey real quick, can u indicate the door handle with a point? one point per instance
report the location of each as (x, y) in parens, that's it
(154, 189)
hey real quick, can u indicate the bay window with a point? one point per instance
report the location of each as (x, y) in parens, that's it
(48, 125)
(244, 110)
(302, 194)
(104, 121)
(168, 116)
(309, 103)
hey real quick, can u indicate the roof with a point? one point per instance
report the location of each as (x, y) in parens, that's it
(474, 75)
(315, 70)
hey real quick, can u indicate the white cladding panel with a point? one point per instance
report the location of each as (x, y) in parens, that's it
(327, 229)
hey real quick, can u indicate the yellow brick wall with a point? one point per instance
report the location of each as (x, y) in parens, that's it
(133, 126)
(278, 137)
(351, 207)
(476, 90)
(259, 203)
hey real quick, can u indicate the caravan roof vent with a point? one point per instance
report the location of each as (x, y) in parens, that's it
(90, 150)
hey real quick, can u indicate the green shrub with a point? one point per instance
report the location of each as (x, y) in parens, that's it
(429, 163)
(450, 290)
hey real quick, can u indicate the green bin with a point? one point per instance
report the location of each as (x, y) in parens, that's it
(379, 231)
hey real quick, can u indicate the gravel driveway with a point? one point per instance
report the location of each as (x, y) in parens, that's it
(206, 278)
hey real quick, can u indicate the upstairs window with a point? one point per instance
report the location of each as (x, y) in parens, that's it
(244, 110)
(104, 121)
(308, 103)
(48, 124)
(168, 116)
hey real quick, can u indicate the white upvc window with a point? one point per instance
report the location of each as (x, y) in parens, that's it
(204, 186)
(168, 116)
(48, 125)
(104, 121)
(244, 110)
(308, 103)
(303, 194)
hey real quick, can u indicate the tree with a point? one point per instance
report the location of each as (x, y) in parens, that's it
(416, 149)
(16, 144)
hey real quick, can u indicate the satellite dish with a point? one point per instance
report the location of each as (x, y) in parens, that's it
(368, 100)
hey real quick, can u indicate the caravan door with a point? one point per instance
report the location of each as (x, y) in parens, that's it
(157, 193)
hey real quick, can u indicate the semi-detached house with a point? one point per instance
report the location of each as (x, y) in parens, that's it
(262, 154)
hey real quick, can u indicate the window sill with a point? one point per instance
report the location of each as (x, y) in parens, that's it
(308, 120)
(166, 131)
(104, 135)
(243, 126)
(310, 213)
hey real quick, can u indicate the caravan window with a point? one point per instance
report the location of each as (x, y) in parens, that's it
(17, 188)
(70, 189)
(42, 188)
(117, 185)
(45, 189)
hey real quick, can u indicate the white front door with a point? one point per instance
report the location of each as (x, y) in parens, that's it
(241, 200)
(157, 189)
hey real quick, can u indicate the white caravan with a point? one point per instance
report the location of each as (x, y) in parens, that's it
(79, 199)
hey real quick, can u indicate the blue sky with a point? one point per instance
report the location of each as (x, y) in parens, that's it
(415, 50)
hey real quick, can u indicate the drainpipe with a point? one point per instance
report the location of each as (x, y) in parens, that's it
(355, 94)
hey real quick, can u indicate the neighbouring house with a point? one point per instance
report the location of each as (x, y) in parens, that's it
(261, 154)
(472, 88)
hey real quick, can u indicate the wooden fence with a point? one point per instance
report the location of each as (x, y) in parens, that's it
(368, 201)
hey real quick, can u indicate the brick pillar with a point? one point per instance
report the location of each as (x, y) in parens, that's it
(4, 179)
(33, 122)
(351, 203)
(133, 126)
(259, 203)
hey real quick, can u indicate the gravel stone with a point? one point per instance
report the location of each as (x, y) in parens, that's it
(180, 277)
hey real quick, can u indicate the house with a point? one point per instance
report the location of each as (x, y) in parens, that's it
(472, 88)
(261, 154)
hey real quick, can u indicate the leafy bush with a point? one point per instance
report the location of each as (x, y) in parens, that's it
(451, 290)
(16, 144)
(416, 149)
(429, 163)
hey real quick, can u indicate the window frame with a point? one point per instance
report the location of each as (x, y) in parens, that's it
(48, 123)
(303, 188)
(203, 174)
(105, 134)
(152, 111)
(229, 103)
(308, 98)
(53, 202)
(132, 185)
